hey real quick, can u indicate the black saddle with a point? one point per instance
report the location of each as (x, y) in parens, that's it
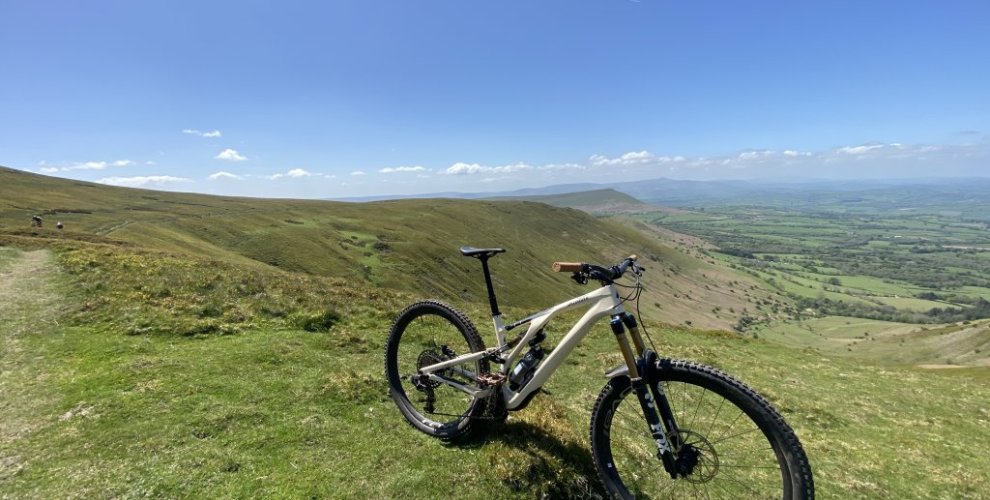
(480, 253)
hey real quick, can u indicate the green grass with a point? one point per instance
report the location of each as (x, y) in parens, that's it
(406, 245)
(173, 345)
(869, 285)
(910, 303)
(886, 343)
(287, 412)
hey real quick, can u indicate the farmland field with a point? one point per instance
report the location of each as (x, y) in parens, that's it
(883, 264)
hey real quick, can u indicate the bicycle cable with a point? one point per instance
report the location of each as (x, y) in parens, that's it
(635, 296)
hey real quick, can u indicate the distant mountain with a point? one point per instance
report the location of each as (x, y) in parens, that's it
(769, 192)
(548, 190)
(599, 201)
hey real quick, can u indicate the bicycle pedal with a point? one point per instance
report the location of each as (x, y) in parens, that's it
(491, 379)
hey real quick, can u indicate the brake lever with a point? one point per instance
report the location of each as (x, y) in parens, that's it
(580, 278)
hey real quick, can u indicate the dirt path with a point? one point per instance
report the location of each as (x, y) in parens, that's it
(28, 306)
(27, 298)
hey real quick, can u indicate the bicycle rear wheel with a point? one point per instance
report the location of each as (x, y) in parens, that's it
(732, 444)
(427, 333)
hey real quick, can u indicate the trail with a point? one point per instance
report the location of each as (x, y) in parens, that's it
(28, 306)
(27, 299)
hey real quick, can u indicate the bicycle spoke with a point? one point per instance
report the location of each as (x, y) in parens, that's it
(715, 417)
(700, 400)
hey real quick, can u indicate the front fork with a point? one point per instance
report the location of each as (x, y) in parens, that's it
(652, 400)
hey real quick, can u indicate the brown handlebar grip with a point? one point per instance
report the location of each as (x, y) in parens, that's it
(567, 267)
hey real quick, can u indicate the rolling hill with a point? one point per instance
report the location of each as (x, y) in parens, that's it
(406, 245)
(599, 201)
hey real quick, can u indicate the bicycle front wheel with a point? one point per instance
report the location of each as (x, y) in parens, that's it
(424, 334)
(732, 443)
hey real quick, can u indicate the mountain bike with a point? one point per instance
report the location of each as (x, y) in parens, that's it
(659, 428)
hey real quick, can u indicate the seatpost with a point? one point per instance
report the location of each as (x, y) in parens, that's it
(491, 290)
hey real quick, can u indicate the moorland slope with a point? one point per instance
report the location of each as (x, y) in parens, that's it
(408, 245)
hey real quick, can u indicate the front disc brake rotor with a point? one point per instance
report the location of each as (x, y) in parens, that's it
(697, 461)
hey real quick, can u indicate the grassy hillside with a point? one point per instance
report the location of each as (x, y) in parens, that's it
(184, 345)
(406, 245)
(599, 201)
(274, 397)
(952, 345)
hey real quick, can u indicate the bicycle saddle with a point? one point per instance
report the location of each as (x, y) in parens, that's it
(480, 253)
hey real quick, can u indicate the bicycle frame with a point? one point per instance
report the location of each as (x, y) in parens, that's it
(510, 373)
(601, 302)
(604, 301)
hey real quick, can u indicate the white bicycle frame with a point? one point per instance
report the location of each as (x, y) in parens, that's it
(602, 302)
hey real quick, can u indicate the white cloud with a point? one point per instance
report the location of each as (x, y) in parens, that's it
(634, 158)
(390, 170)
(461, 168)
(562, 166)
(755, 155)
(858, 150)
(230, 155)
(295, 173)
(630, 158)
(89, 165)
(515, 167)
(150, 162)
(464, 168)
(224, 175)
(151, 180)
(212, 133)
(357, 172)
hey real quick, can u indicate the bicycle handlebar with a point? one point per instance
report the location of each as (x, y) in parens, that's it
(596, 272)
(567, 267)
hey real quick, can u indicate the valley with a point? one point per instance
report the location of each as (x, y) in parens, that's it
(857, 277)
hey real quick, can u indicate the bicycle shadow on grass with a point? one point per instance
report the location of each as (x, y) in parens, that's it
(537, 461)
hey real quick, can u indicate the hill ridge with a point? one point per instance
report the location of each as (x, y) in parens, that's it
(409, 245)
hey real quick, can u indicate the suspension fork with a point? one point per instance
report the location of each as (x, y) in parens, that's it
(649, 360)
(646, 399)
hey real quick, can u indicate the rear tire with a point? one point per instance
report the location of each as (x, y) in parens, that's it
(743, 447)
(426, 333)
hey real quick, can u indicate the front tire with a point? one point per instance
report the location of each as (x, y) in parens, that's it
(426, 333)
(737, 444)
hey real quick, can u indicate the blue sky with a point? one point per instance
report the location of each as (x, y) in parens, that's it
(331, 99)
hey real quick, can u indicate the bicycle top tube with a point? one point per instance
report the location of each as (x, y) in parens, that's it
(583, 272)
